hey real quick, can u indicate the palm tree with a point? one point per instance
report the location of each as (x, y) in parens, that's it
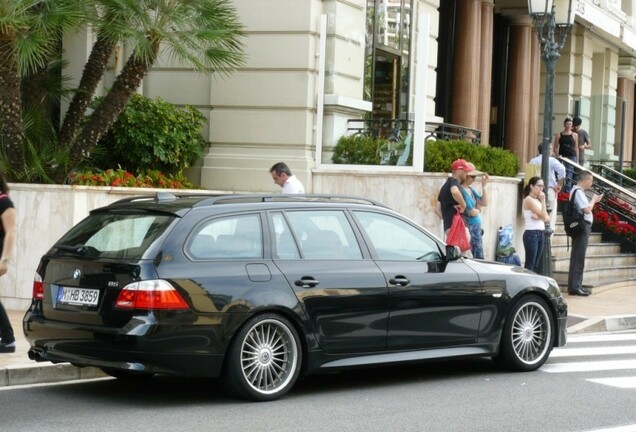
(29, 35)
(205, 34)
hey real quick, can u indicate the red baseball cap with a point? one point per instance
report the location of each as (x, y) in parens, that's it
(461, 164)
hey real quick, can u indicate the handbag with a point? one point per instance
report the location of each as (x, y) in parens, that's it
(458, 234)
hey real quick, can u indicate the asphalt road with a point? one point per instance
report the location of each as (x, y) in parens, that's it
(589, 385)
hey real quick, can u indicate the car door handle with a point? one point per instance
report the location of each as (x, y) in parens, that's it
(306, 282)
(399, 280)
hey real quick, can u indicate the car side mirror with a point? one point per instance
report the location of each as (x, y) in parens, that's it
(452, 253)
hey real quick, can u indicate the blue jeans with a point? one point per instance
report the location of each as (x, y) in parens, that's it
(569, 175)
(533, 244)
(476, 242)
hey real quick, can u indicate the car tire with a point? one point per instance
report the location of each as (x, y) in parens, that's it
(527, 338)
(264, 359)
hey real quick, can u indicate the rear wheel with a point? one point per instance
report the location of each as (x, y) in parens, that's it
(526, 341)
(264, 359)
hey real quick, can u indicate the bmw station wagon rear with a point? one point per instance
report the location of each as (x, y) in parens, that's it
(259, 290)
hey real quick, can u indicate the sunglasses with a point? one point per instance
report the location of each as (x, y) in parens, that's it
(473, 177)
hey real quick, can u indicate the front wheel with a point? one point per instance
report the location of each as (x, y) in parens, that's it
(264, 359)
(526, 341)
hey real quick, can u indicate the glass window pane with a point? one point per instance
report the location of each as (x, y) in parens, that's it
(284, 244)
(117, 235)
(395, 239)
(229, 237)
(324, 234)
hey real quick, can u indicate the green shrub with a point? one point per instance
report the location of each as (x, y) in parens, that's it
(630, 172)
(151, 134)
(357, 150)
(440, 154)
(366, 150)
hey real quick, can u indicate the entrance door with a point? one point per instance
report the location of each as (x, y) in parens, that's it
(386, 82)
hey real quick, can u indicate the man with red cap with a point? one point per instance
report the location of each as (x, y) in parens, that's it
(450, 195)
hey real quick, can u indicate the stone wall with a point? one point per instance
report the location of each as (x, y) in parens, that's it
(46, 212)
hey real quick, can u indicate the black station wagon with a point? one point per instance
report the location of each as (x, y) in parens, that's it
(261, 289)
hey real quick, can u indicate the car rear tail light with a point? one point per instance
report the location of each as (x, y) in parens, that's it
(152, 294)
(38, 287)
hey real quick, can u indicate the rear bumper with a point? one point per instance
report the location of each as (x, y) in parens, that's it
(140, 346)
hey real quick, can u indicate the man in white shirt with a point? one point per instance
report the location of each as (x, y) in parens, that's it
(580, 242)
(282, 176)
(556, 179)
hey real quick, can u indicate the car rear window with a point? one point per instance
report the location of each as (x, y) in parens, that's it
(114, 235)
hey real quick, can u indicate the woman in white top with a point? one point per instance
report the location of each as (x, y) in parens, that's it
(535, 215)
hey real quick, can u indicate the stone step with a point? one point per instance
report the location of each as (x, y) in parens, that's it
(562, 251)
(560, 239)
(615, 285)
(599, 261)
(597, 276)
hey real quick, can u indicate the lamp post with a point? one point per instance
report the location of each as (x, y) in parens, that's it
(552, 21)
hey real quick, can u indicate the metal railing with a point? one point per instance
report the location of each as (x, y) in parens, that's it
(614, 164)
(380, 128)
(613, 175)
(447, 131)
(618, 201)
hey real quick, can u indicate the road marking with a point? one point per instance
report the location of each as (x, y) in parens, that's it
(593, 351)
(626, 428)
(602, 338)
(620, 382)
(588, 366)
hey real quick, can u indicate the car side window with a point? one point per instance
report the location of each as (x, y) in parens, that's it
(324, 234)
(237, 236)
(284, 244)
(395, 239)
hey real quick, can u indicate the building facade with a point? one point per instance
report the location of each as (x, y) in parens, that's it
(314, 65)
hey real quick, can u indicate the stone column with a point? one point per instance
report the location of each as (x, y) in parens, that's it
(535, 127)
(518, 91)
(605, 68)
(580, 76)
(625, 90)
(485, 68)
(467, 64)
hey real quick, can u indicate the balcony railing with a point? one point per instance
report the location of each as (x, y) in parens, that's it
(447, 131)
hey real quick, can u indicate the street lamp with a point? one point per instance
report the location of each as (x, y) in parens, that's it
(552, 21)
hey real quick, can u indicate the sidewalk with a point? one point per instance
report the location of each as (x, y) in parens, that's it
(610, 310)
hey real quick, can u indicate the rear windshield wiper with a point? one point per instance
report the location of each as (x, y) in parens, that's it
(79, 249)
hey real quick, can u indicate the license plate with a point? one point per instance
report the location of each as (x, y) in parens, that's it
(78, 296)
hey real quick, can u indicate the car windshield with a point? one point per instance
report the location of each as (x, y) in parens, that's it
(113, 235)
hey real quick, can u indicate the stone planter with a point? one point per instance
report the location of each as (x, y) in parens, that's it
(627, 246)
(597, 227)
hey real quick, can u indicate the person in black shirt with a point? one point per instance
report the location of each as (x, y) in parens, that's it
(450, 195)
(566, 145)
(583, 137)
(7, 241)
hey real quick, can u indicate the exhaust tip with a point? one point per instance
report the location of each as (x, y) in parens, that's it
(35, 355)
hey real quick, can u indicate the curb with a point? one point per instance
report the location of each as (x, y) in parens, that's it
(46, 373)
(604, 324)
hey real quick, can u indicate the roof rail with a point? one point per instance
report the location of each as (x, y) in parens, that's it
(251, 198)
(210, 199)
(162, 197)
